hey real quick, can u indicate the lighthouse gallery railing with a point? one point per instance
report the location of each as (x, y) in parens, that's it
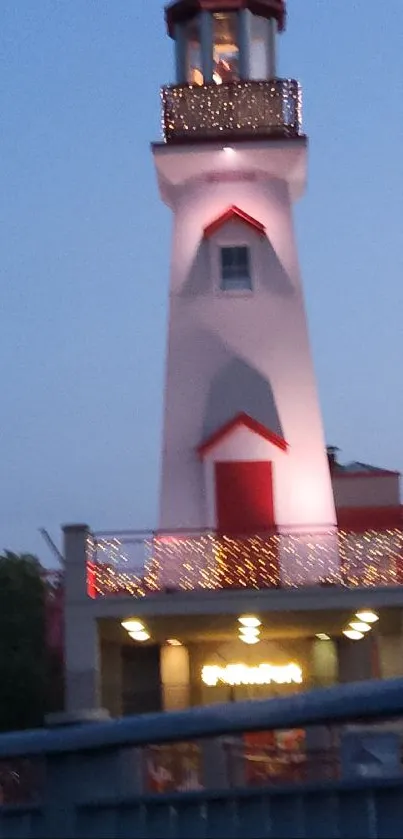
(239, 109)
(142, 564)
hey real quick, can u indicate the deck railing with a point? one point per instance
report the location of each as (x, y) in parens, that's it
(322, 764)
(243, 109)
(143, 564)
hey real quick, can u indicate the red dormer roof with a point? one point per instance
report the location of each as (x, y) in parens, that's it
(247, 422)
(234, 214)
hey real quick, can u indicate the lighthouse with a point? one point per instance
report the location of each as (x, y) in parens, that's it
(243, 449)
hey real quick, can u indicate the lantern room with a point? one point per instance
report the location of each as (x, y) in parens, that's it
(223, 41)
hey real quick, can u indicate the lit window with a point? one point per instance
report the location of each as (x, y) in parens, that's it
(226, 50)
(194, 72)
(235, 269)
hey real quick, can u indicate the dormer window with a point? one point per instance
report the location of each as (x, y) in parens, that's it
(235, 264)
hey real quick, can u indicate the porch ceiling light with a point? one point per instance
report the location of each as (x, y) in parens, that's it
(367, 615)
(142, 635)
(250, 639)
(360, 626)
(322, 636)
(353, 634)
(133, 625)
(251, 631)
(249, 621)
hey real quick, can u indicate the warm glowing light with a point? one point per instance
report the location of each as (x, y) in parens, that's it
(360, 626)
(133, 625)
(353, 634)
(249, 639)
(322, 636)
(221, 108)
(211, 562)
(262, 674)
(249, 621)
(174, 642)
(142, 635)
(249, 630)
(367, 616)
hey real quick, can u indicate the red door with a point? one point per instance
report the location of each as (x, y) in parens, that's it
(244, 497)
(245, 509)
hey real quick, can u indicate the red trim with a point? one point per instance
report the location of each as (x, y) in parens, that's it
(91, 587)
(234, 214)
(380, 473)
(236, 422)
(361, 519)
(183, 10)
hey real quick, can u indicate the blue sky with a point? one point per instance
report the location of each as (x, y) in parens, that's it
(84, 248)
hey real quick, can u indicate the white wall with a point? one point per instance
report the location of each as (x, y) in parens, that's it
(267, 331)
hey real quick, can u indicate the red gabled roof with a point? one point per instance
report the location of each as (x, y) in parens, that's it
(236, 422)
(234, 214)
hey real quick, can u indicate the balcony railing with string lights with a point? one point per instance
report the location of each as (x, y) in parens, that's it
(146, 564)
(243, 109)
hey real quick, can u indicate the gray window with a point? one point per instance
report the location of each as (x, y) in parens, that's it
(235, 269)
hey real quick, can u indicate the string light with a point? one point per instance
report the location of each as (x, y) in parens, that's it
(250, 107)
(208, 561)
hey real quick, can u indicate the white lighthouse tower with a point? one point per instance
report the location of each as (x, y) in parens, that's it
(243, 444)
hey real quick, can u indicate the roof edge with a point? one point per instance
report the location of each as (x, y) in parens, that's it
(234, 213)
(241, 419)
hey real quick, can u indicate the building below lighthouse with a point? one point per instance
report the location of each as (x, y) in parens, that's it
(274, 567)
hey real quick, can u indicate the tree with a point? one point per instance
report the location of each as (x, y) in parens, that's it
(23, 653)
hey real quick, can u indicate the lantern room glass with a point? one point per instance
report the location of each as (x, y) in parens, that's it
(259, 47)
(225, 47)
(194, 61)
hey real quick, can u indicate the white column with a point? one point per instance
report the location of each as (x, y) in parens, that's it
(81, 643)
(81, 661)
(175, 678)
(76, 551)
(324, 663)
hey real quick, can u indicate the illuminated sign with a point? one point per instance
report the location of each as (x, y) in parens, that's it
(240, 674)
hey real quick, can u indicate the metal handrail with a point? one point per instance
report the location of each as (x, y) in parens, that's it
(359, 701)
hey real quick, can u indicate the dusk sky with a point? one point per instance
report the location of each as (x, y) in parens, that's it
(85, 244)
